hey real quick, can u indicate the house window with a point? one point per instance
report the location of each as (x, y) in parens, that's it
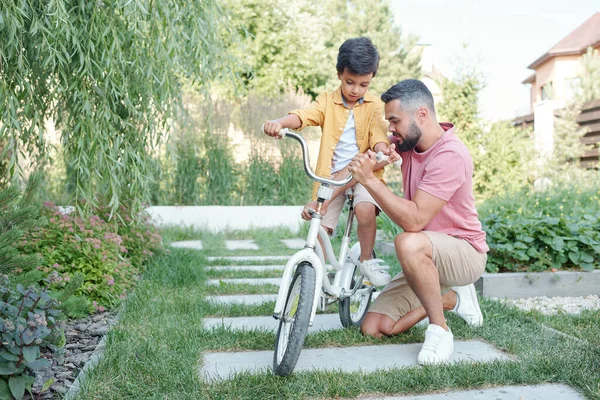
(547, 91)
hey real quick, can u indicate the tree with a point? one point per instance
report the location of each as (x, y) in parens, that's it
(109, 73)
(501, 153)
(295, 43)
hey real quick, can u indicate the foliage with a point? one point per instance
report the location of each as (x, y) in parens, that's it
(539, 230)
(590, 80)
(139, 235)
(27, 320)
(19, 212)
(502, 154)
(70, 244)
(109, 73)
(275, 173)
(296, 43)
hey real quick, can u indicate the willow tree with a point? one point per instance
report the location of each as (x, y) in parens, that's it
(109, 73)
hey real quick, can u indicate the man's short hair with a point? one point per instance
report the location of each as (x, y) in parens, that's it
(412, 94)
(358, 56)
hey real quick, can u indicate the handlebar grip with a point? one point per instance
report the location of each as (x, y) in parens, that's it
(282, 133)
(382, 157)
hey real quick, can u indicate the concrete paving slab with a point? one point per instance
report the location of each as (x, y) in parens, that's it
(188, 244)
(548, 391)
(259, 299)
(250, 299)
(241, 245)
(515, 285)
(249, 258)
(294, 243)
(322, 322)
(216, 366)
(246, 281)
(246, 268)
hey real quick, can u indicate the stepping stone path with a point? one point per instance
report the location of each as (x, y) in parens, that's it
(246, 281)
(295, 244)
(247, 268)
(217, 366)
(241, 245)
(189, 244)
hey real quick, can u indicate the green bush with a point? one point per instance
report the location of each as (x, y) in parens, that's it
(69, 244)
(27, 321)
(552, 228)
(140, 237)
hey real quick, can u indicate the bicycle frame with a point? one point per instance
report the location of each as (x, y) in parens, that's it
(312, 252)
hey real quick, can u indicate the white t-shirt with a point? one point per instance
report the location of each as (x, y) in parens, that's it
(347, 147)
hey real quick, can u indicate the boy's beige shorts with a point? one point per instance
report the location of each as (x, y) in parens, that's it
(330, 220)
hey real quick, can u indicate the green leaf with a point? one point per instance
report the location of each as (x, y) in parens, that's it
(7, 368)
(31, 353)
(586, 257)
(4, 390)
(557, 243)
(47, 385)
(8, 356)
(574, 256)
(17, 386)
(587, 266)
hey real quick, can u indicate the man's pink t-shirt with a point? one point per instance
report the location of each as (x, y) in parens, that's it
(445, 171)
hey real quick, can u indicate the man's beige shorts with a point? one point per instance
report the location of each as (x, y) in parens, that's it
(330, 220)
(458, 264)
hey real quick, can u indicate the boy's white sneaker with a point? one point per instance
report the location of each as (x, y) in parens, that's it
(438, 346)
(467, 306)
(375, 272)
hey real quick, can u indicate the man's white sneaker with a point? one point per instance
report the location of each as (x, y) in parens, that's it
(423, 323)
(375, 273)
(467, 306)
(438, 346)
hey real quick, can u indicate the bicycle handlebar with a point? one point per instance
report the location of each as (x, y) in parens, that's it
(288, 133)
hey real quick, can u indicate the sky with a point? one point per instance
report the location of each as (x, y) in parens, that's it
(502, 38)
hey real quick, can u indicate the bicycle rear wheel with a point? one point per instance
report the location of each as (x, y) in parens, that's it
(293, 324)
(353, 309)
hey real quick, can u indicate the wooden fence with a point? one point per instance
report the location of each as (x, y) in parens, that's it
(589, 119)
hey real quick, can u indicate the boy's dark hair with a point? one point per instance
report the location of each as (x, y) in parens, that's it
(412, 94)
(359, 56)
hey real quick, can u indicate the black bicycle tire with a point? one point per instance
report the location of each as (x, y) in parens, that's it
(306, 273)
(346, 313)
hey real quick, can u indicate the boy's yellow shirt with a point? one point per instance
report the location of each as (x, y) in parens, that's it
(328, 112)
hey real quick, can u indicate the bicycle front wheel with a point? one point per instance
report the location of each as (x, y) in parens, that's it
(353, 309)
(293, 324)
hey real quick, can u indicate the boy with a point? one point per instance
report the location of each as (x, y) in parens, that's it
(352, 122)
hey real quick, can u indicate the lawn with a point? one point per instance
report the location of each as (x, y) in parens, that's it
(155, 351)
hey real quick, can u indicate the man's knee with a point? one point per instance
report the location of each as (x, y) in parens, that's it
(375, 326)
(409, 245)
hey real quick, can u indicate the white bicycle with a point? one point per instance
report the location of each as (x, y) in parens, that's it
(306, 285)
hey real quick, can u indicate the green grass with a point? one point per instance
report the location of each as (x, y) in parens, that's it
(154, 351)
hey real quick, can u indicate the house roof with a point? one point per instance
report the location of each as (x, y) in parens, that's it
(530, 78)
(586, 35)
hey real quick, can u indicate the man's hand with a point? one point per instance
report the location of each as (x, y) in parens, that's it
(313, 205)
(361, 166)
(392, 154)
(272, 129)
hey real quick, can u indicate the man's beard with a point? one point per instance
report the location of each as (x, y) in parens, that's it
(412, 138)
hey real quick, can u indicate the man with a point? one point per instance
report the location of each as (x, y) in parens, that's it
(442, 249)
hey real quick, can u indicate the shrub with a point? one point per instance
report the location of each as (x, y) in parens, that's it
(140, 237)
(553, 228)
(69, 244)
(27, 320)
